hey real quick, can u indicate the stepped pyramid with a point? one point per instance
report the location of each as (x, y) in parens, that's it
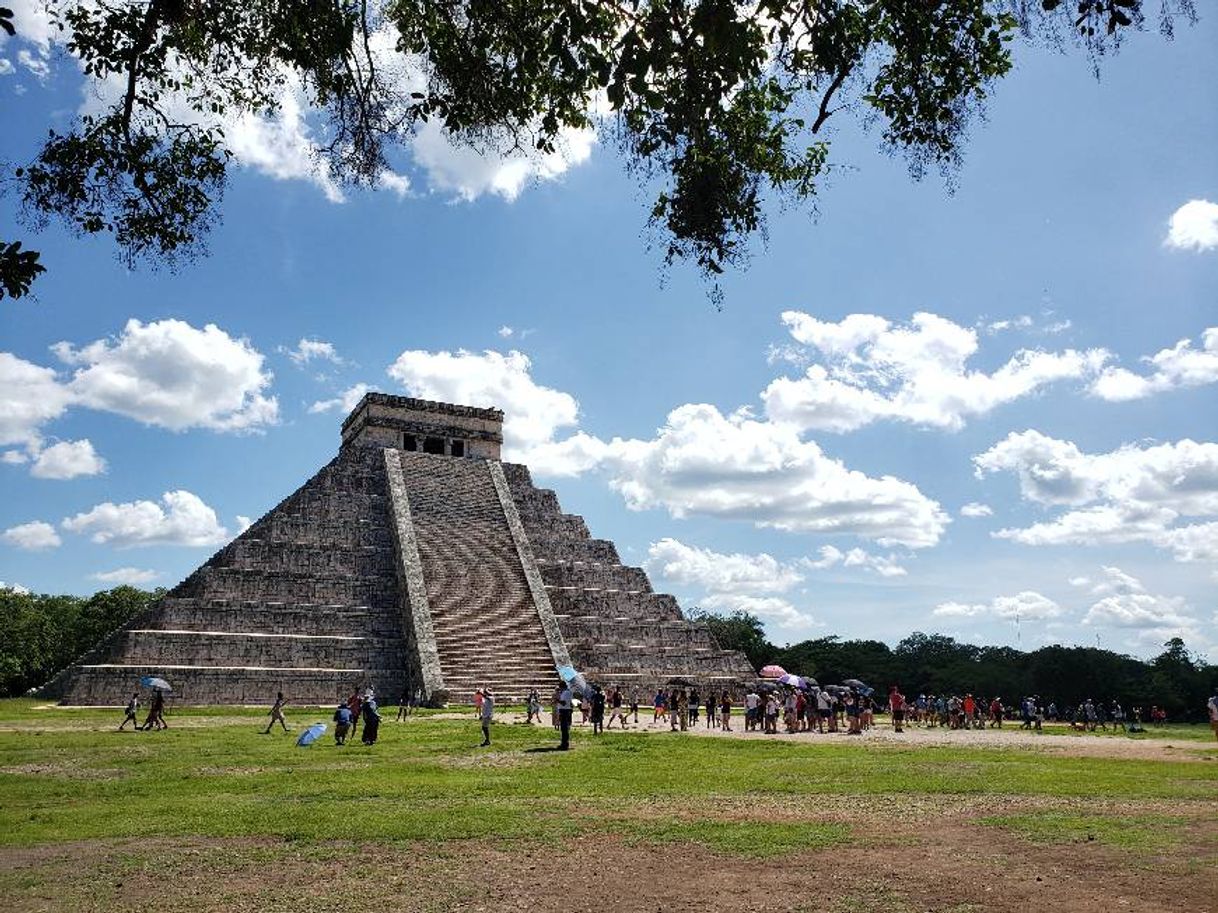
(413, 560)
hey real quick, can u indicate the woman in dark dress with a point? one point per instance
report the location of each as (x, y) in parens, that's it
(372, 722)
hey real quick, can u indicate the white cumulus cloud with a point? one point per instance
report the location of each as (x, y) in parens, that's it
(170, 374)
(1127, 495)
(703, 463)
(1179, 367)
(688, 565)
(1026, 606)
(181, 518)
(831, 556)
(975, 509)
(1125, 603)
(870, 370)
(344, 402)
(32, 537)
(130, 576)
(308, 350)
(67, 460)
(30, 396)
(1194, 226)
(533, 413)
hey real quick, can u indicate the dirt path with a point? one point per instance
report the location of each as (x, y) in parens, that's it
(1147, 749)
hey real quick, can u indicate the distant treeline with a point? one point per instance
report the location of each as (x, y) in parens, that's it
(935, 664)
(41, 634)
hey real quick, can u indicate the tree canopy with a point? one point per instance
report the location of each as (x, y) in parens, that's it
(722, 105)
(42, 634)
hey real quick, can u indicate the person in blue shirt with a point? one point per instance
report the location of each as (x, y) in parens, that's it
(342, 724)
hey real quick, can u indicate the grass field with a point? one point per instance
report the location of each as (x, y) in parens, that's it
(211, 815)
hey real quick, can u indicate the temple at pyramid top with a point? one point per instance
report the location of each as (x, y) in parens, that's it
(424, 426)
(416, 563)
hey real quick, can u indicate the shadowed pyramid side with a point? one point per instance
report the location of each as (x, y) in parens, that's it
(305, 601)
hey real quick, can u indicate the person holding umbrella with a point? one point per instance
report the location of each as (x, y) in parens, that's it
(277, 714)
(156, 712)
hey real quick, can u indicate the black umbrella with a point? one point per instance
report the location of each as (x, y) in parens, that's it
(855, 683)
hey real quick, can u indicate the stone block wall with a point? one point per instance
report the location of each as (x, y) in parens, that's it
(305, 601)
(617, 630)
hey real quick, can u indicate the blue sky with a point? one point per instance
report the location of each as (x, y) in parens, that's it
(804, 453)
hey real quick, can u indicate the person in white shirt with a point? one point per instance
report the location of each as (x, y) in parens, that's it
(487, 713)
(1212, 706)
(752, 701)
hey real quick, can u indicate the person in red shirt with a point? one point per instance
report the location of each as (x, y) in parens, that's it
(970, 711)
(896, 703)
(996, 711)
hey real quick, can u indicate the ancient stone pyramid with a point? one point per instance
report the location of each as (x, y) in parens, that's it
(414, 560)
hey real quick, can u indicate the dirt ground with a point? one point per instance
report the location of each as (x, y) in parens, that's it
(1010, 736)
(895, 863)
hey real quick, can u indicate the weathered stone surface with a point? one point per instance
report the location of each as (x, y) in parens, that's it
(616, 629)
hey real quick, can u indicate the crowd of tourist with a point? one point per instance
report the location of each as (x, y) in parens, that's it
(767, 707)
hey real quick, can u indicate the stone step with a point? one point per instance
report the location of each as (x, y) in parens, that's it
(112, 684)
(609, 604)
(194, 648)
(591, 575)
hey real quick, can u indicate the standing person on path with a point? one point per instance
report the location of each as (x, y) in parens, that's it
(372, 720)
(634, 705)
(564, 704)
(555, 699)
(1212, 706)
(403, 707)
(486, 713)
(478, 704)
(710, 710)
(725, 711)
(598, 710)
(277, 714)
(133, 707)
(355, 704)
(896, 703)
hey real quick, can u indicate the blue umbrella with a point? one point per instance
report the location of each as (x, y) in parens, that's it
(311, 735)
(158, 683)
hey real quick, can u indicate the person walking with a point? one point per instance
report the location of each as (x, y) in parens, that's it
(486, 713)
(355, 703)
(156, 712)
(133, 707)
(564, 706)
(532, 706)
(1212, 706)
(634, 705)
(277, 714)
(725, 712)
(403, 707)
(616, 712)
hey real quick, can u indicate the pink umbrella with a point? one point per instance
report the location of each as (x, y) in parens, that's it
(773, 672)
